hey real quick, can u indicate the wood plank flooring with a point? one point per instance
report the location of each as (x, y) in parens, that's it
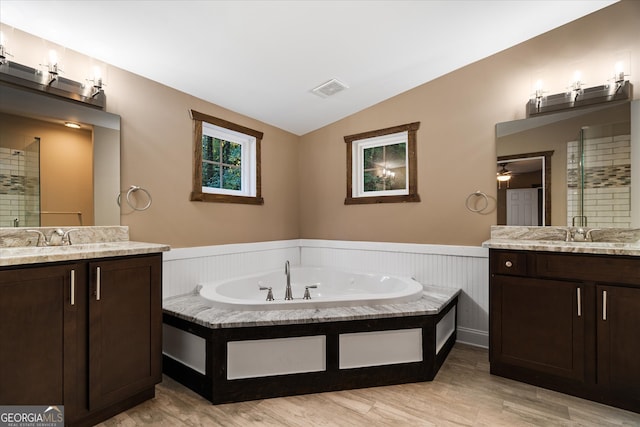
(462, 394)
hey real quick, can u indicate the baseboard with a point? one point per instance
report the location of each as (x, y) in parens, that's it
(473, 337)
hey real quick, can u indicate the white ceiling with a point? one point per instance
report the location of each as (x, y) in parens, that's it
(262, 58)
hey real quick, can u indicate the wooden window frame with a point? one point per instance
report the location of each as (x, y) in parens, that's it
(197, 195)
(412, 166)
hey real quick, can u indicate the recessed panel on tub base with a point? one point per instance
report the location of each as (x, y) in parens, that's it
(259, 362)
(184, 347)
(280, 356)
(379, 348)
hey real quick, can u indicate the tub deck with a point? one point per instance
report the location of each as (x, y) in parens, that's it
(308, 350)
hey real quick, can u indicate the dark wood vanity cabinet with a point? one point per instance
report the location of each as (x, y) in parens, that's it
(567, 322)
(38, 334)
(125, 311)
(618, 334)
(86, 335)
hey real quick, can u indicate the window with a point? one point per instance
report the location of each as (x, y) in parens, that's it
(381, 166)
(226, 161)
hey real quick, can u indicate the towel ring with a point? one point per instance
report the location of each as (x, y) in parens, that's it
(133, 189)
(477, 194)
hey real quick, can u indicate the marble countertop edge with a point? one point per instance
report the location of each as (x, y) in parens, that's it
(37, 255)
(194, 308)
(598, 248)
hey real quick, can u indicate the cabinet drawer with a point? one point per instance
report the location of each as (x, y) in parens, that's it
(610, 269)
(510, 263)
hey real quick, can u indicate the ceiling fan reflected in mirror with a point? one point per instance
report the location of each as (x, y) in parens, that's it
(504, 175)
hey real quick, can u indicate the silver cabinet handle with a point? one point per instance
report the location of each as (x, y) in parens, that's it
(578, 291)
(73, 287)
(97, 283)
(508, 264)
(604, 305)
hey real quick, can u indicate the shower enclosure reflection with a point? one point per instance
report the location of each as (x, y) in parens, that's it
(19, 180)
(587, 167)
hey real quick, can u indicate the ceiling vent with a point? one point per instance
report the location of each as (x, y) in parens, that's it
(329, 88)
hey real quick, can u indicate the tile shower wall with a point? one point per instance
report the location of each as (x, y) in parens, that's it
(461, 267)
(607, 179)
(19, 188)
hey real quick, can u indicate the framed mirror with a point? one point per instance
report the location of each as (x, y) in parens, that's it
(51, 175)
(586, 177)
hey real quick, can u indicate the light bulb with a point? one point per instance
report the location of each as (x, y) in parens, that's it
(538, 88)
(619, 71)
(53, 57)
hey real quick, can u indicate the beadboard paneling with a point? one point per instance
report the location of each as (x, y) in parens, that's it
(184, 269)
(440, 265)
(462, 267)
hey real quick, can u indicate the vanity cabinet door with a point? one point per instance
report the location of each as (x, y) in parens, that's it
(125, 321)
(619, 341)
(39, 312)
(538, 325)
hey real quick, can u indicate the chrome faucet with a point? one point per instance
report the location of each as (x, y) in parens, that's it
(56, 238)
(66, 238)
(287, 291)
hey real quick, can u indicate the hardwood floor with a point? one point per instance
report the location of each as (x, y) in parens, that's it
(462, 394)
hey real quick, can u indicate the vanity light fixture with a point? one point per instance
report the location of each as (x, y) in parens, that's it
(538, 92)
(619, 75)
(576, 85)
(577, 95)
(52, 65)
(96, 81)
(72, 125)
(50, 82)
(3, 49)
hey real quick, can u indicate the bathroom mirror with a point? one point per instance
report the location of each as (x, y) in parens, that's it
(78, 181)
(584, 176)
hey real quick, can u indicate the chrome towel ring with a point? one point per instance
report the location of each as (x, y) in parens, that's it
(474, 195)
(133, 189)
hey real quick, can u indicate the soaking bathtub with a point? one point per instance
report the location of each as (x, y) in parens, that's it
(228, 343)
(328, 287)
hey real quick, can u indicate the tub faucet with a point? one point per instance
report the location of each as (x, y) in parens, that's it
(287, 291)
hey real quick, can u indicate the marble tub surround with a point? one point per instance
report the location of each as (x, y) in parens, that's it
(194, 308)
(18, 246)
(605, 241)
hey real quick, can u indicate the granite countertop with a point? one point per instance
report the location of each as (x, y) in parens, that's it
(195, 308)
(551, 239)
(18, 246)
(36, 255)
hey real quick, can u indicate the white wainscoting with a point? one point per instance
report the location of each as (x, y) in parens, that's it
(464, 267)
(184, 268)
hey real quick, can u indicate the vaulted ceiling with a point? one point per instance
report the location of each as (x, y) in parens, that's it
(263, 58)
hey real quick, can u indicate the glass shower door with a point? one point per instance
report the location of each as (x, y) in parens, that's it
(599, 177)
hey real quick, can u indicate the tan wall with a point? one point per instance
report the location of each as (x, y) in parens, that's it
(156, 154)
(66, 173)
(456, 140)
(303, 178)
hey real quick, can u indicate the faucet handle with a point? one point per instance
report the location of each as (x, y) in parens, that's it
(66, 238)
(307, 294)
(41, 236)
(588, 236)
(269, 292)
